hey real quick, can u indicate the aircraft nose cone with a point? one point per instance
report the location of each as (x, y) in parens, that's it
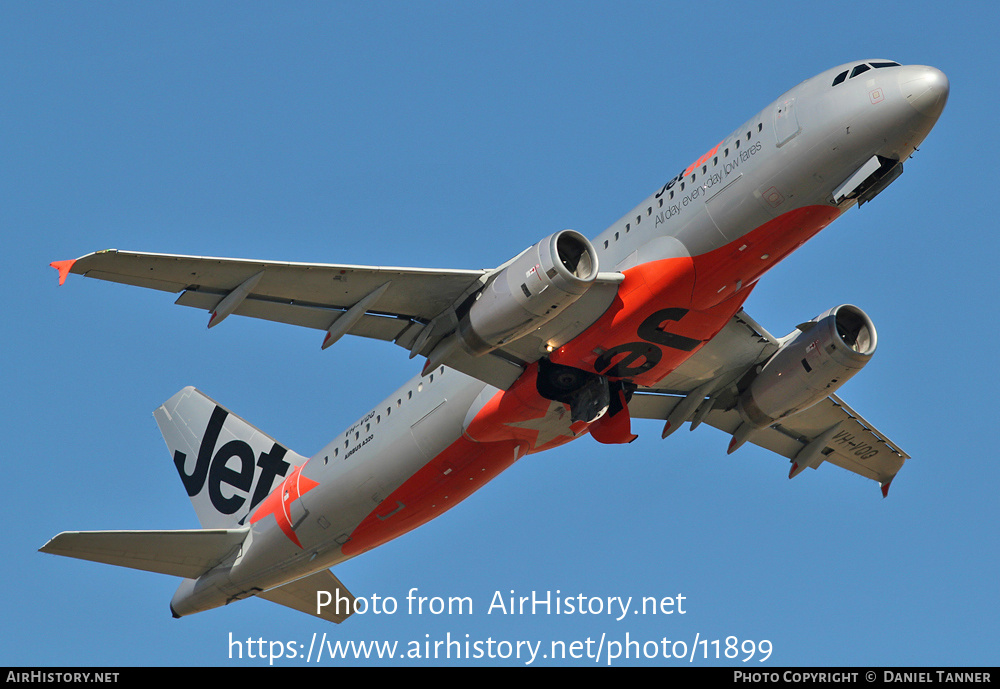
(924, 88)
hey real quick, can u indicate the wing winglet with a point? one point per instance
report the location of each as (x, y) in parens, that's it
(885, 487)
(63, 267)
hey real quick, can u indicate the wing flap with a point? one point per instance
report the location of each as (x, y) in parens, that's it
(375, 326)
(183, 553)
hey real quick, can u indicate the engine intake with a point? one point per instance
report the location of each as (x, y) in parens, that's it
(531, 290)
(810, 365)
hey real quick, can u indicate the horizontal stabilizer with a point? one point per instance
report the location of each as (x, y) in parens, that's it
(309, 593)
(187, 553)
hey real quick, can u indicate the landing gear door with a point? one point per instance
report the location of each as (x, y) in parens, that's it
(786, 124)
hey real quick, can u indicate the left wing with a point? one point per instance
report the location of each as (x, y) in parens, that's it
(855, 444)
(705, 388)
(392, 304)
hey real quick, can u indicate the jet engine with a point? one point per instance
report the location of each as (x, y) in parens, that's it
(810, 365)
(529, 291)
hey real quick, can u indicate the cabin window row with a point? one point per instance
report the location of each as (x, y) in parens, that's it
(693, 177)
(378, 417)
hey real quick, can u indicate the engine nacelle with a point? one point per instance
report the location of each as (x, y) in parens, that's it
(810, 366)
(530, 291)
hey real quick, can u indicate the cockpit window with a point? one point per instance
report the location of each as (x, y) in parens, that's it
(859, 70)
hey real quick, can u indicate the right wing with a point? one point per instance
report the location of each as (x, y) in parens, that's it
(392, 304)
(413, 307)
(306, 294)
(855, 445)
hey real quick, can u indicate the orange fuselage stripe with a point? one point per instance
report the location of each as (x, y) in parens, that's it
(490, 444)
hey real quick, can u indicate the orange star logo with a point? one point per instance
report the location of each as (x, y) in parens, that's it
(280, 500)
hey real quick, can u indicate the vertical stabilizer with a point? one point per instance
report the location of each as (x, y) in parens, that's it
(227, 466)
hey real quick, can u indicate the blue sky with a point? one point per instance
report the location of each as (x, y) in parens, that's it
(454, 135)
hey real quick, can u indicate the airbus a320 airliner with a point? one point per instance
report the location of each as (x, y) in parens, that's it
(569, 337)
